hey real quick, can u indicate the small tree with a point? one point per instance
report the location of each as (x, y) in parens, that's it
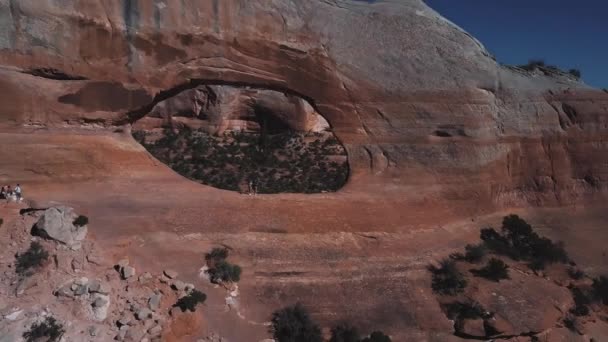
(293, 324)
(189, 302)
(344, 333)
(447, 279)
(217, 254)
(377, 336)
(34, 257)
(48, 330)
(224, 271)
(495, 270)
(81, 221)
(474, 253)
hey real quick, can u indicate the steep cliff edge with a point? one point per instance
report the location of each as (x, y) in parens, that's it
(436, 131)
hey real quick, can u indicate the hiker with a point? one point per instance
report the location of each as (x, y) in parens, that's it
(9, 193)
(18, 192)
(3, 194)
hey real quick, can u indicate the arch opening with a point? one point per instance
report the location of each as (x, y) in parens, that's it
(245, 139)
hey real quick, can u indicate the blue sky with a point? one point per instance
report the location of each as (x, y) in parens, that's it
(566, 33)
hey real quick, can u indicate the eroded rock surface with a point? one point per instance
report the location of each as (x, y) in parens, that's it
(58, 224)
(436, 131)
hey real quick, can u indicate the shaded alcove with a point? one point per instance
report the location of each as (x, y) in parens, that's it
(245, 139)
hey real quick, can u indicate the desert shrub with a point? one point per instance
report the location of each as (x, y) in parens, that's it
(190, 301)
(581, 302)
(140, 137)
(575, 273)
(217, 254)
(344, 333)
(447, 279)
(461, 311)
(494, 241)
(33, 258)
(519, 242)
(48, 330)
(81, 220)
(494, 270)
(575, 72)
(465, 310)
(293, 324)
(377, 336)
(224, 271)
(474, 253)
(570, 322)
(533, 64)
(600, 289)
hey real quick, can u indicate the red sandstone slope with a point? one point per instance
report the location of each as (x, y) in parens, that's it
(436, 131)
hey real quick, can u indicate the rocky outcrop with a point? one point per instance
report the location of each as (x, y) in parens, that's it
(218, 108)
(58, 224)
(436, 131)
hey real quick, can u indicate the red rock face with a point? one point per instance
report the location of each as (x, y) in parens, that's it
(453, 118)
(435, 129)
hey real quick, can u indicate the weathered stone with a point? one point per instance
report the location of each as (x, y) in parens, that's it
(170, 274)
(57, 223)
(143, 313)
(124, 320)
(100, 306)
(94, 330)
(154, 301)
(122, 332)
(145, 278)
(135, 334)
(178, 285)
(473, 327)
(127, 272)
(155, 330)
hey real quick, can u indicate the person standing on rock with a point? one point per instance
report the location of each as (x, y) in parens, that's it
(18, 192)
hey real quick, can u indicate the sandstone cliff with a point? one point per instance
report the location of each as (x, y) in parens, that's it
(435, 130)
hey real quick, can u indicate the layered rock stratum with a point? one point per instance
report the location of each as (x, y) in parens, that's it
(437, 133)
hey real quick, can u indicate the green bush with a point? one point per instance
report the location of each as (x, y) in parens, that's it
(217, 254)
(377, 336)
(344, 333)
(224, 271)
(230, 161)
(519, 242)
(474, 253)
(581, 302)
(33, 258)
(494, 270)
(447, 279)
(293, 324)
(190, 301)
(48, 330)
(81, 221)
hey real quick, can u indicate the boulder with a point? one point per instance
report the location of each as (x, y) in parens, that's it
(127, 272)
(155, 331)
(178, 285)
(100, 306)
(57, 223)
(171, 274)
(143, 314)
(154, 301)
(145, 278)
